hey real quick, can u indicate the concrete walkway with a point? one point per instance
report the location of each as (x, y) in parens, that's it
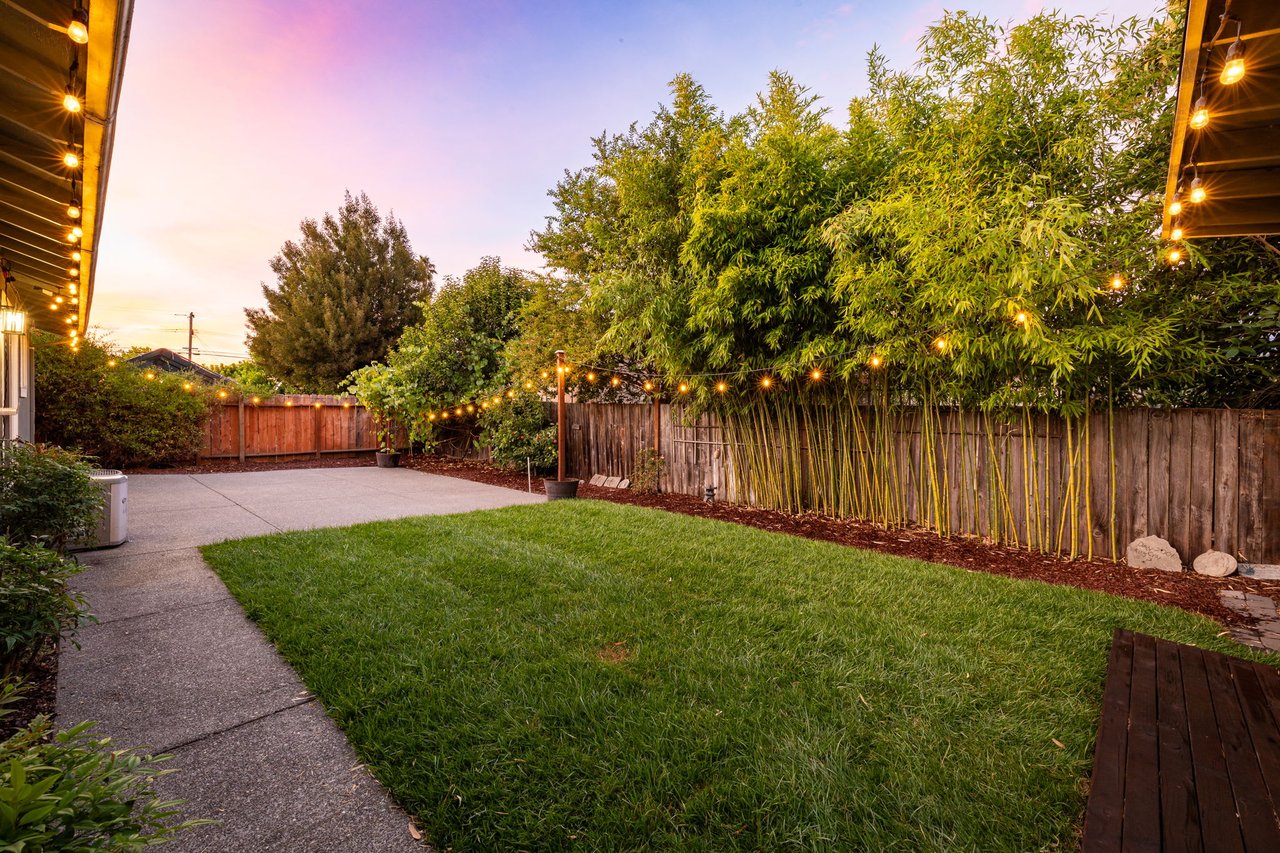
(174, 665)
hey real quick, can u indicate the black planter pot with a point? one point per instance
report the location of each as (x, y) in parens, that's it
(560, 490)
(387, 459)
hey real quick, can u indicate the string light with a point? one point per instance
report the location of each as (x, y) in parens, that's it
(458, 411)
(78, 231)
(766, 383)
(346, 405)
(470, 408)
(1174, 256)
(528, 386)
(58, 300)
(289, 403)
(511, 394)
(71, 160)
(73, 209)
(224, 393)
(70, 320)
(591, 377)
(71, 237)
(722, 386)
(257, 400)
(1197, 194)
(546, 375)
(816, 375)
(1175, 206)
(431, 416)
(73, 271)
(1233, 67)
(53, 306)
(1118, 282)
(75, 256)
(684, 388)
(71, 102)
(1176, 233)
(74, 334)
(1022, 318)
(111, 362)
(150, 375)
(78, 29)
(186, 386)
(875, 361)
(940, 344)
(1200, 114)
(615, 382)
(444, 416)
(75, 300)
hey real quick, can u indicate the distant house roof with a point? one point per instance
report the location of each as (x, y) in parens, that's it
(170, 362)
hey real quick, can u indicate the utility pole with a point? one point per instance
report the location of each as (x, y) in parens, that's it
(191, 331)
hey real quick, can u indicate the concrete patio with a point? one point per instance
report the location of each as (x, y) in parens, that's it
(174, 666)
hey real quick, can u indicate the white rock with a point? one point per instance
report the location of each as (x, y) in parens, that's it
(1215, 564)
(1152, 552)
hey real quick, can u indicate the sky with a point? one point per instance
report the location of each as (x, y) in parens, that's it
(240, 118)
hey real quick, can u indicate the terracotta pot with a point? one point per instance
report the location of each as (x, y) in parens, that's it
(560, 490)
(387, 459)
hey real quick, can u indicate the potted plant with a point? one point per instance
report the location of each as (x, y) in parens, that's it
(387, 456)
(375, 388)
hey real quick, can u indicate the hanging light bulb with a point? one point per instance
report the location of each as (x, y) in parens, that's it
(591, 377)
(73, 209)
(444, 416)
(70, 320)
(78, 29)
(1233, 68)
(73, 271)
(71, 101)
(57, 299)
(257, 400)
(78, 231)
(458, 412)
(875, 361)
(1118, 282)
(684, 388)
(648, 386)
(1197, 193)
(74, 334)
(75, 300)
(546, 375)
(72, 287)
(1176, 233)
(940, 344)
(511, 393)
(1175, 206)
(722, 386)
(150, 375)
(470, 408)
(1022, 318)
(815, 375)
(111, 362)
(53, 306)
(1174, 256)
(1199, 113)
(344, 405)
(528, 386)
(431, 416)
(72, 237)
(766, 383)
(615, 382)
(186, 386)
(71, 160)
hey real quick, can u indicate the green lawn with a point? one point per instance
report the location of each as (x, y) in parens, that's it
(594, 676)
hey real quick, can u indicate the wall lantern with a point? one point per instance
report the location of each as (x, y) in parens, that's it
(13, 321)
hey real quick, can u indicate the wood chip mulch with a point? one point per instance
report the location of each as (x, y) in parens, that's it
(40, 695)
(1189, 591)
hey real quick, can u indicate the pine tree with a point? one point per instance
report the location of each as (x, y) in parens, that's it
(344, 293)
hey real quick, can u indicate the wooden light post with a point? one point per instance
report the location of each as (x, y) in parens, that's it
(560, 415)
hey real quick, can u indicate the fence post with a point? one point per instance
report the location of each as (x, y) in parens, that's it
(316, 409)
(560, 413)
(240, 428)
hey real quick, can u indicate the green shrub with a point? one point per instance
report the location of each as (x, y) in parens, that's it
(516, 430)
(72, 792)
(109, 409)
(647, 471)
(46, 496)
(37, 608)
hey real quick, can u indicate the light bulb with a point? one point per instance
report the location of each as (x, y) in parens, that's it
(186, 386)
(75, 256)
(528, 386)
(1233, 68)
(470, 408)
(1175, 206)
(78, 231)
(874, 361)
(111, 362)
(591, 377)
(1176, 233)
(317, 404)
(722, 387)
(71, 160)
(648, 386)
(75, 300)
(257, 400)
(73, 271)
(150, 375)
(1199, 114)
(73, 210)
(615, 382)
(72, 287)
(1022, 318)
(71, 237)
(1174, 256)
(74, 333)
(940, 344)
(444, 416)
(766, 383)
(511, 393)
(1117, 282)
(53, 306)
(684, 389)
(1197, 193)
(288, 402)
(70, 320)
(458, 412)
(545, 375)
(57, 299)
(431, 417)
(816, 374)
(344, 405)
(71, 102)
(78, 29)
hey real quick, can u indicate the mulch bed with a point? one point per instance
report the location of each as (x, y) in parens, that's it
(39, 697)
(1189, 591)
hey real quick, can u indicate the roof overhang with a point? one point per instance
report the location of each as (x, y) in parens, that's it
(37, 63)
(1236, 155)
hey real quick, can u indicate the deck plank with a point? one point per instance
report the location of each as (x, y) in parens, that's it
(1141, 830)
(1179, 815)
(1247, 786)
(1104, 814)
(1213, 786)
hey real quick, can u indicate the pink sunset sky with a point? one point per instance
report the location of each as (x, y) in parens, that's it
(242, 117)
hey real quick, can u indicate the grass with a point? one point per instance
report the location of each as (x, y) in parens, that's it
(601, 677)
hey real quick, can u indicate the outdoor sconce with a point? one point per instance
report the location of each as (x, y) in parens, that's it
(12, 321)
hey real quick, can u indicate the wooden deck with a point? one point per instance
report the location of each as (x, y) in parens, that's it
(1188, 753)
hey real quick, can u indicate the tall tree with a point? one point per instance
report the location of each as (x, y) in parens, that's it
(344, 294)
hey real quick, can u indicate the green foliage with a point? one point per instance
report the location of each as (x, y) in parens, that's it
(252, 379)
(36, 606)
(70, 792)
(651, 681)
(517, 430)
(343, 295)
(1009, 173)
(455, 354)
(647, 471)
(387, 397)
(46, 496)
(96, 402)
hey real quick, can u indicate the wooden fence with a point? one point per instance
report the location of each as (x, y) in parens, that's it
(293, 425)
(1199, 478)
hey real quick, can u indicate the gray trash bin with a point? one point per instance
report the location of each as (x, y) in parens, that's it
(113, 529)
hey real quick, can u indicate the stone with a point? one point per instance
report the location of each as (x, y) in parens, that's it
(597, 480)
(1261, 571)
(612, 482)
(624, 483)
(1215, 564)
(1152, 552)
